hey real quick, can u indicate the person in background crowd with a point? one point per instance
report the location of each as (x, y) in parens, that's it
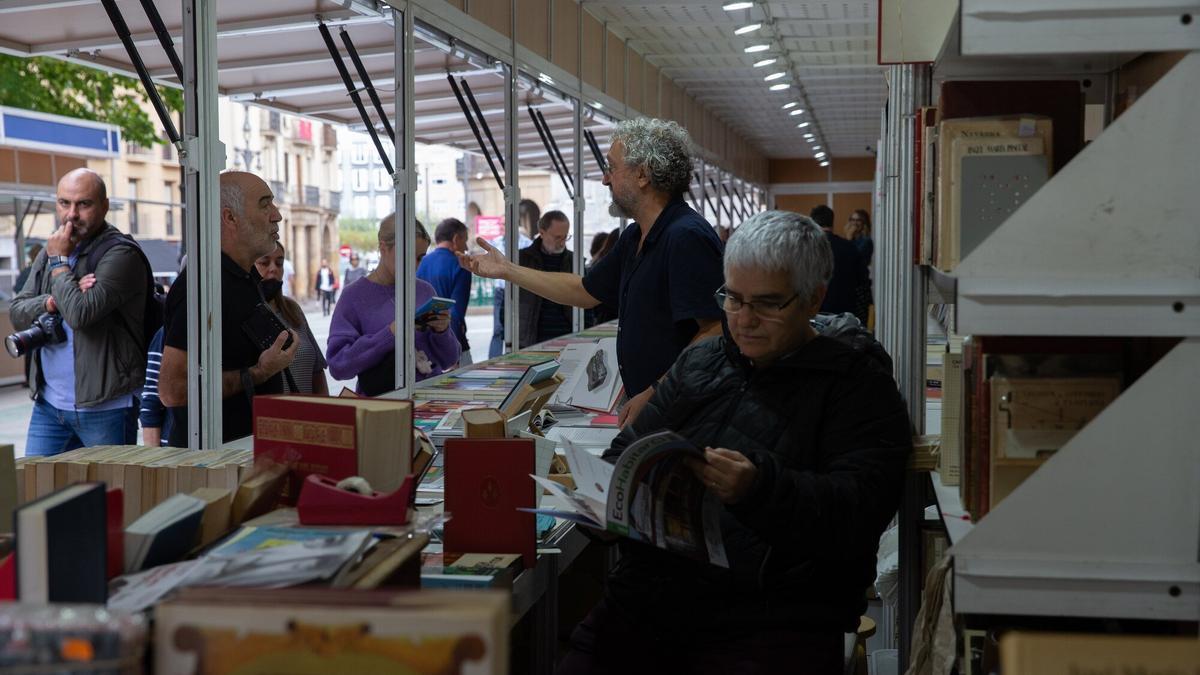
(594, 250)
(850, 274)
(805, 443)
(353, 272)
(362, 333)
(597, 251)
(662, 270)
(288, 273)
(858, 231)
(249, 230)
(24, 275)
(326, 286)
(530, 214)
(156, 424)
(84, 380)
(441, 269)
(34, 250)
(308, 366)
(541, 319)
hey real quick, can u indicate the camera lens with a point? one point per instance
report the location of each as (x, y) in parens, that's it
(13, 344)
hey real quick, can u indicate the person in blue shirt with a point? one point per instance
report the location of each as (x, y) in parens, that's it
(662, 271)
(156, 424)
(449, 280)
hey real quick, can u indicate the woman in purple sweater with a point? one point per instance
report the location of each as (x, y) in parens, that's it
(363, 328)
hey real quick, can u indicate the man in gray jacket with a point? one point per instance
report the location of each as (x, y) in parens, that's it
(84, 377)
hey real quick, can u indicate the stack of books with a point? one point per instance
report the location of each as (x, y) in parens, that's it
(146, 475)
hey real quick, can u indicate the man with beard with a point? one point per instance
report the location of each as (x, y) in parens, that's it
(83, 378)
(543, 319)
(249, 230)
(663, 270)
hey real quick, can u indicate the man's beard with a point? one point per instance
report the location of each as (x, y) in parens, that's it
(616, 211)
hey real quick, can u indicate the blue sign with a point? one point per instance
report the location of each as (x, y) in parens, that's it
(56, 133)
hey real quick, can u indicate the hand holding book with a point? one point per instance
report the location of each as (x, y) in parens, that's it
(728, 474)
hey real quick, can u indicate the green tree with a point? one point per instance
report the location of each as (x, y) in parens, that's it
(61, 88)
(362, 234)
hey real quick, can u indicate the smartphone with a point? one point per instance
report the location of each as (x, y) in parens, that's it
(263, 326)
(432, 306)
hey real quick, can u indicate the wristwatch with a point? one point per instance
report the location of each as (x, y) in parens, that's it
(58, 261)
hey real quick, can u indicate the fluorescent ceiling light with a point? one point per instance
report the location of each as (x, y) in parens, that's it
(825, 163)
(597, 105)
(819, 155)
(756, 48)
(810, 138)
(816, 147)
(802, 125)
(545, 78)
(797, 111)
(735, 6)
(780, 87)
(765, 62)
(774, 76)
(791, 104)
(748, 28)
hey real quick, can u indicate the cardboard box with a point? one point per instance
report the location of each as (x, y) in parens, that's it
(1024, 653)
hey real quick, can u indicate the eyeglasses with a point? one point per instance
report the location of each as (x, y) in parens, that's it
(768, 311)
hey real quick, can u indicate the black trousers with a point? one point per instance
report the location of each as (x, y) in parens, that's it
(606, 642)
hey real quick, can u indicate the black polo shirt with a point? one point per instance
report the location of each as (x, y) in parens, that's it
(659, 292)
(240, 294)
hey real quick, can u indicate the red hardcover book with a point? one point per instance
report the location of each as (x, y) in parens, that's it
(8, 579)
(487, 480)
(316, 438)
(336, 437)
(115, 515)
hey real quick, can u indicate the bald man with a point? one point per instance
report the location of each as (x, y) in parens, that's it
(249, 230)
(91, 280)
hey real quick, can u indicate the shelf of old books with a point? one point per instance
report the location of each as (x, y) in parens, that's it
(1072, 267)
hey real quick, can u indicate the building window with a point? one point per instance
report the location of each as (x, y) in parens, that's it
(360, 180)
(383, 205)
(133, 206)
(169, 198)
(287, 169)
(360, 153)
(382, 180)
(362, 206)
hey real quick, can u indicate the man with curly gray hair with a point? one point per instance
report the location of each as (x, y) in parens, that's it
(663, 270)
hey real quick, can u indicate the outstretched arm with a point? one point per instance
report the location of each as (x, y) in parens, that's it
(561, 287)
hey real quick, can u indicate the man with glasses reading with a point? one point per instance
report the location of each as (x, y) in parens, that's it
(805, 442)
(663, 270)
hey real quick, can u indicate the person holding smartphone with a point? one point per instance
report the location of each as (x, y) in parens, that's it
(362, 331)
(256, 348)
(308, 368)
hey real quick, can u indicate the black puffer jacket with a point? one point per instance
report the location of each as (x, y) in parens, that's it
(830, 436)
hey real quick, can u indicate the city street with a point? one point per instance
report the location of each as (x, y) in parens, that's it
(16, 406)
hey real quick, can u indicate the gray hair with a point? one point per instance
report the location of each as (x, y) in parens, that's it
(233, 198)
(782, 241)
(663, 147)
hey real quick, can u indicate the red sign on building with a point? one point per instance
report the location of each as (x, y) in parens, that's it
(489, 227)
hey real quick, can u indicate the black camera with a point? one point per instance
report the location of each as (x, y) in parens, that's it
(47, 329)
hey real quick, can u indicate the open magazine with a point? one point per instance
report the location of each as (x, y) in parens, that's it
(649, 495)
